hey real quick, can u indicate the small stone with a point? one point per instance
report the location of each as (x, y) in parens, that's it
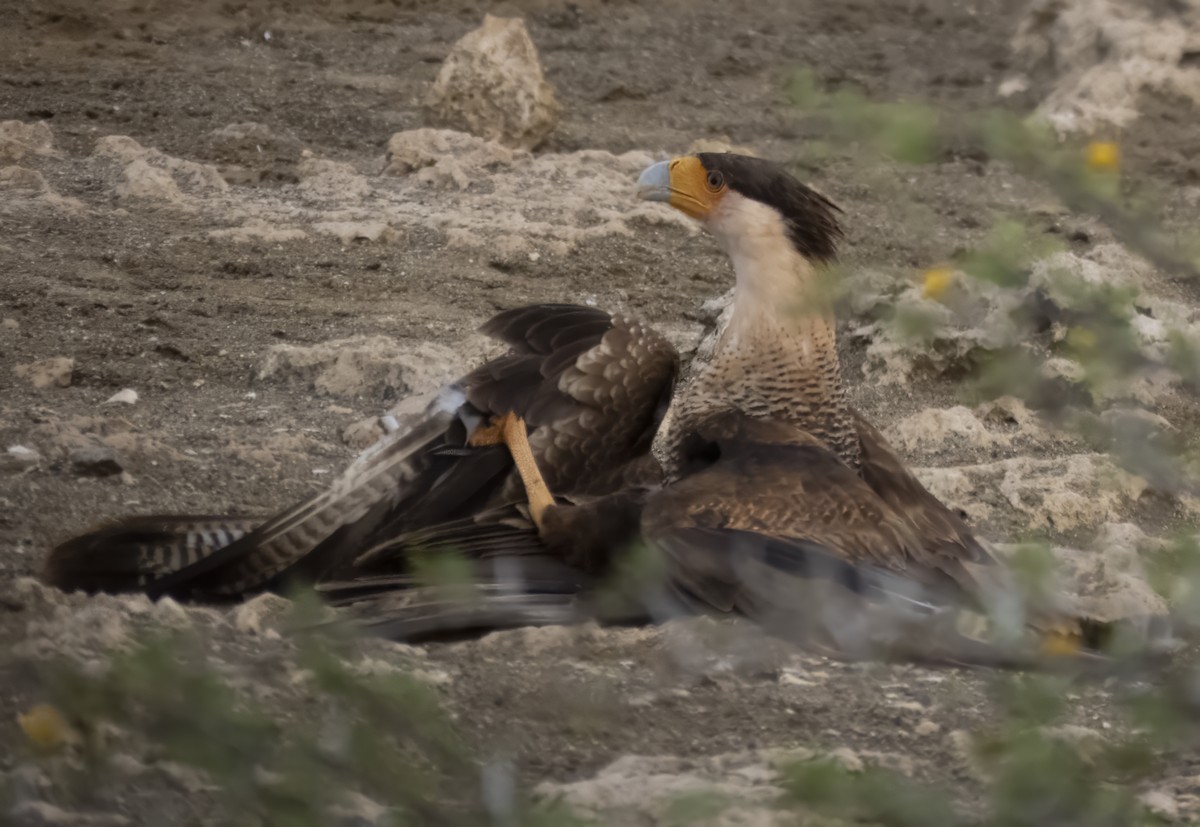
(9, 324)
(1160, 803)
(42, 812)
(492, 85)
(170, 613)
(848, 759)
(20, 458)
(19, 139)
(431, 677)
(363, 433)
(790, 678)
(54, 372)
(128, 396)
(926, 728)
(95, 461)
(258, 615)
(126, 765)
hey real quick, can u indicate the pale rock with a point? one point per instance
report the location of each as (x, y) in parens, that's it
(937, 336)
(9, 325)
(46, 373)
(364, 433)
(442, 157)
(348, 231)
(127, 396)
(1010, 416)
(169, 613)
(322, 180)
(24, 188)
(60, 438)
(354, 808)
(492, 85)
(722, 144)
(15, 178)
(33, 813)
(934, 428)
(865, 290)
(19, 139)
(190, 780)
(1102, 54)
(532, 640)
(262, 614)
(80, 630)
(1087, 742)
(20, 458)
(962, 744)
(1060, 367)
(431, 677)
(151, 175)
(127, 765)
(251, 153)
(363, 365)
(1160, 803)
(847, 759)
(258, 229)
(1109, 579)
(1062, 274)
(1119, 417)
(637, 789)
(893, 761)
(95, 461)
(1061, 494)
(1013, 86)
(549, 203)
(926, 728)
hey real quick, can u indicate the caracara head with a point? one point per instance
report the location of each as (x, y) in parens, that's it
(739, 198)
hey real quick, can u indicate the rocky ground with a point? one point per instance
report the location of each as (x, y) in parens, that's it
(234, 234)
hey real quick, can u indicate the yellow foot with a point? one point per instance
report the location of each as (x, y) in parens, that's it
(509, 430)
(1063, 640)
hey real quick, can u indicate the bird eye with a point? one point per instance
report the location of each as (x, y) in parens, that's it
(715, 180)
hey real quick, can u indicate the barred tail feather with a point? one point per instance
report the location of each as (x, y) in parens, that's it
(132, 553)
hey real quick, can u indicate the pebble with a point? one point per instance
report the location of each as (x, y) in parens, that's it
(927, 727)
(1160, 804)
(19, 458)
(95, 461)
(128, 396)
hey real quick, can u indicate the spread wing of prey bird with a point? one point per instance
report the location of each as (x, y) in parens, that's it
(772, 499)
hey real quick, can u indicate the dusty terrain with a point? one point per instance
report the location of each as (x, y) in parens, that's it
(199, 198)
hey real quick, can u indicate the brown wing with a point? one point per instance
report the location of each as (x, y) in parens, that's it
(946, 542)
(594, 383)
(771, 479)
(769, 523)
(592, 388)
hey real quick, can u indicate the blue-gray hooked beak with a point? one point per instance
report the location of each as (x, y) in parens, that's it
(654, 184)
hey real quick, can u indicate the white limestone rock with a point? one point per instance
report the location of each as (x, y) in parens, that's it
(492, 85)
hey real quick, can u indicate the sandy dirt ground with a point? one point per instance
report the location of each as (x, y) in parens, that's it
(199, 205)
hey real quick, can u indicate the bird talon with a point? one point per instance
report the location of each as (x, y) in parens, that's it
(509, 430)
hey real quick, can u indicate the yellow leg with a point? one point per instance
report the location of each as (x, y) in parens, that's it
(510, 430)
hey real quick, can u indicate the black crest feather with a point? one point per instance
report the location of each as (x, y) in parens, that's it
(811, 218)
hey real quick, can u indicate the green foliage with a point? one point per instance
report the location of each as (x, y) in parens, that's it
(875, 796)
(1004, 256)
(381, 735)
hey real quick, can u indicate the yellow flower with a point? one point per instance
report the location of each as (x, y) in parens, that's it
(937, 281)
(1082, 339)
(1061, 642)
(44, 726)
(1103, 155)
